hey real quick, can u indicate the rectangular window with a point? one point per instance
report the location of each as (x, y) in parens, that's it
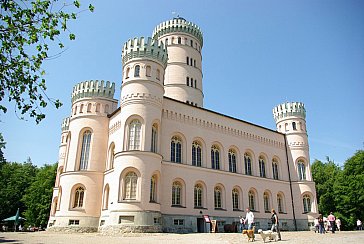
(74, 222)
(126, 219)
(179, 222)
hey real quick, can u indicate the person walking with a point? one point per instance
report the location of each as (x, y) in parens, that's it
(249, 218)
(321, 224)
(275, 224)
(331, 219)
(317, 225)
(338, 224)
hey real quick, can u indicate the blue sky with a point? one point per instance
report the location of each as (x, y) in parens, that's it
(256, 55)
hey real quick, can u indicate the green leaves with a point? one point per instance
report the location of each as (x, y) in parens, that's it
(27, 31)
(341, 190)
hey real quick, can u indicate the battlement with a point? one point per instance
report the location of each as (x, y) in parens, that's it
(144, 48)
(178, 25)
(93, 88)
(289, 109)
(65, 124)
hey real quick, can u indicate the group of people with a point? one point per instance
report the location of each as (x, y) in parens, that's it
(324, 225)
(249, 220)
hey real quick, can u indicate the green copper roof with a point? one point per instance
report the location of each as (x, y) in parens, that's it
(93, 88)
(144, 48)
(178, 25)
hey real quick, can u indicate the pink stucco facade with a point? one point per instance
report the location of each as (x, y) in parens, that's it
(159, 161)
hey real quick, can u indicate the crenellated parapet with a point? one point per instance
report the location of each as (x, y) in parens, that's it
(289, 109)
(144, 48)
(65, 124)
(178, 25)
(93, 88)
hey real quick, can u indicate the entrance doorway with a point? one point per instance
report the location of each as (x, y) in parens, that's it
(200, 225)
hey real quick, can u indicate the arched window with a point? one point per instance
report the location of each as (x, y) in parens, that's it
(286, 127)
(130, 188)
(251, 196)
(215, 157)
(148, 71)
(78, 197)
(153, 189)
(54, 206)
(81, 108)
(75, 111)
(137, 71)
(235, 199)
(196, 154)
(262, 167)
(194, 62)
(188, 81)
(275, 169)
(195, 83)
(306, 203)
(111, 157)
(280, 203)
(134, 135)
(179, 40)
(176, 150)
(191, 43)
(294, 126)
(176, 193)
(301, 170)
(85, 150)
(232, 161)
(154, 142)
(191, 60)
(247, 164)
(97, 108)
(158, 77)
(187, 60)
(218, 197)
(198, 190)
(266, 202)
(127, 73)
(105, 203)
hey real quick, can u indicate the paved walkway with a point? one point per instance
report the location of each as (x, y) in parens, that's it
(302, 237)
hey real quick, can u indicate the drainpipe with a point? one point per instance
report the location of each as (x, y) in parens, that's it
(290, 184)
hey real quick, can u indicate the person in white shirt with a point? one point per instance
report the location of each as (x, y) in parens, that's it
(249, 218)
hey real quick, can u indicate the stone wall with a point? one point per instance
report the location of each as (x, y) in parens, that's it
(124, 229)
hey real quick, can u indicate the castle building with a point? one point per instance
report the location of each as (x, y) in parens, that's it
(159, 161)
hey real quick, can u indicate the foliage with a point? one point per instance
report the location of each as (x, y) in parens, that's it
(341, 190)
(28, 30)
(15, 178)
(325, 175)
(2, 146)
(38, 196)
(349, 190)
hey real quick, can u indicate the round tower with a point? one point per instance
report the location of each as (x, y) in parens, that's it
(184, 42)
(83, 156)
(290, 119)
(133, 184)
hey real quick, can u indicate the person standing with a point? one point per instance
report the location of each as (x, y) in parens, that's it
(359, 225)
(331, 219)
(241, 225)
(249, 218)
(275, 224)
(321, 224)
(338, 224)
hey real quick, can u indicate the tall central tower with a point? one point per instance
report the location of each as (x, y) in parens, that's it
(183, 75)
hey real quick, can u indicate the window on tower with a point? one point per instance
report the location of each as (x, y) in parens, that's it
(188, 81)
(137, 71)
(188, 60)
(294, 126)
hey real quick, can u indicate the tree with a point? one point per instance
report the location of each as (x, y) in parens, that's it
(28, 30)
(38, 196)
(349, 191)
(15, 178)
(2, 146)
(325, 175)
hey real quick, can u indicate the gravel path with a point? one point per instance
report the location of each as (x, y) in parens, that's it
(302, 237)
